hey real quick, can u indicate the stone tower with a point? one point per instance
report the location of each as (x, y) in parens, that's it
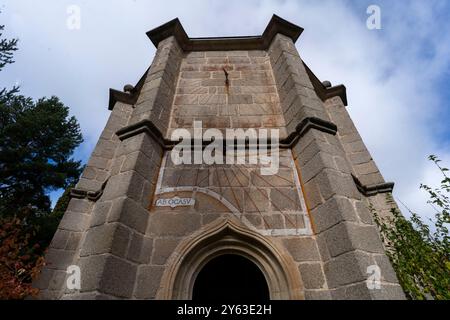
(141, 226)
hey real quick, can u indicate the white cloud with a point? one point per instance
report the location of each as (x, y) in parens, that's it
(391, 74)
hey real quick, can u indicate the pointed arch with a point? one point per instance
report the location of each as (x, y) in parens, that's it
(227, 236)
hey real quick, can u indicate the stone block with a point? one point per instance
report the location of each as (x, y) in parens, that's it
(186, 99)
(333, 211)
(312, 275)
(58, 258)
(176, 224)
(360, 157)
(163, 249)
(192, 90)
(333, 183)
(109, 238)
(105, 149)
(148, 281)
(313, 197)
(302, 249)
(118, 278)
(73, 221)
(316, 165)
(74, 241)
(212, 99)
(256, 200)
(100, 213)
(60, 238)
(130, 213)
(141, 163)
(389, 292)
(358, 291)
(240, 99)
(317, 295)
(140, 250)
(346, 237)
(195, 75)
(274, 221)
(284, 178)
(366, 168)
(364, 213)
(347, 269)
(127, 184)
(387, 272)
(285, 199)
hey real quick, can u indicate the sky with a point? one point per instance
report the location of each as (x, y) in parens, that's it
(397, 77)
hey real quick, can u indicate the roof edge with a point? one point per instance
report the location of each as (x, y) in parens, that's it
(262, 42)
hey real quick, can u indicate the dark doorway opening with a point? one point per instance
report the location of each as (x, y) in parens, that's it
(230, 278)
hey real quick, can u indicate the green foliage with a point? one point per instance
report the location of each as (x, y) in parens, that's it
(7, 49)
(37, 140)
(419, 255)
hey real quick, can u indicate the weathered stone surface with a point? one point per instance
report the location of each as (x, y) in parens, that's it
(389, 292)
(74, 241)
(163, 249)
(285, 199)
(130, 213)
(58, 258)
(118, 278)
(317, 295)
(148, 281)
(60, 239)
(302, 249)
(177, 224)
(109, 238)
(100, 213)
(107, 274)
(140, 249)
(387, 272)
(346, 237)
(363, 212)
(333, 211)
(347, 269)
(79, 205)
(74, 222)
(357, 291)
(128, 184)
(312, 275)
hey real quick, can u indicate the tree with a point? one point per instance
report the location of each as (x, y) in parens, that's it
(7, 49)
(37, 140)
(420, 256)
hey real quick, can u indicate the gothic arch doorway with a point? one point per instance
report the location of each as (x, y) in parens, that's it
(230, 278)
(226, 237)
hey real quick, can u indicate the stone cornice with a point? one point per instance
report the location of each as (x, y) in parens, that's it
(306, 125)
(174, 28)
(147, 126)
(87, 194)
(326, 93)
(126, 97)
(375, 189)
